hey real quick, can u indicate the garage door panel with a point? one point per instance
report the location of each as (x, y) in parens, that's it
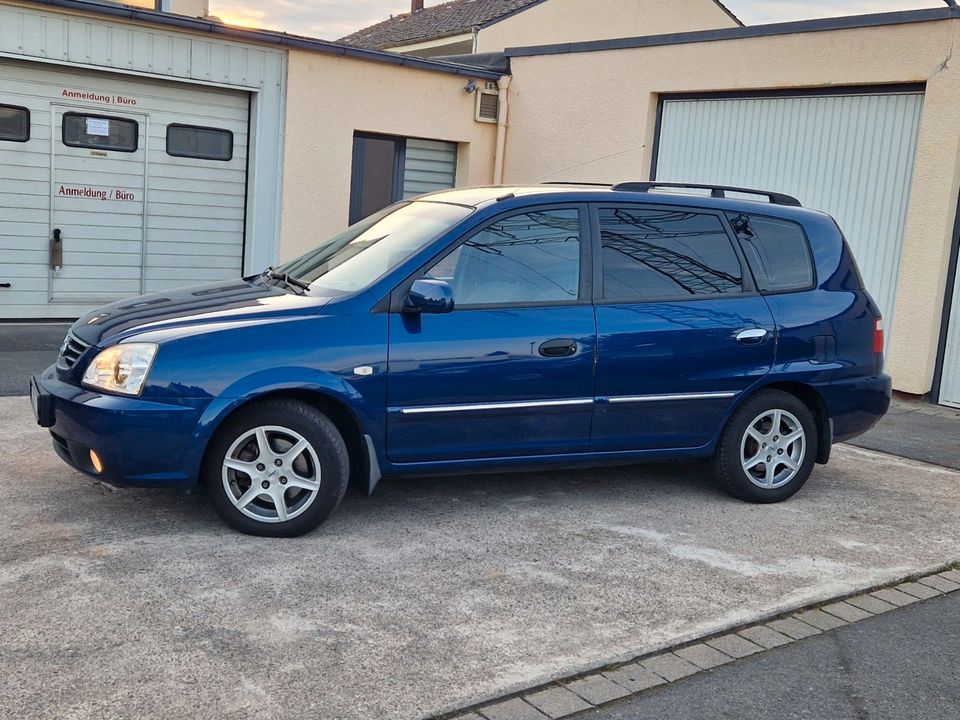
(849, 155)
(187, 216)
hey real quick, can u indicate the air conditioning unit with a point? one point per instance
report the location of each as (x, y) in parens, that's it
(488, 105)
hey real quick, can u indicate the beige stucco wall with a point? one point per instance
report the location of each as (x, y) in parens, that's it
(591, 117)
(555, 21)
(329, 98)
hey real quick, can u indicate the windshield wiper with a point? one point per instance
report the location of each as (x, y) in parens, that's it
(287, 279)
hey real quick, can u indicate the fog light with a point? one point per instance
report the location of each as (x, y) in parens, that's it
(97, 463)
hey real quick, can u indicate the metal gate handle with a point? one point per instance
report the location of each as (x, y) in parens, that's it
(56, 250)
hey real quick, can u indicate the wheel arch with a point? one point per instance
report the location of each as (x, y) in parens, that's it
(336, 408)
(815, 404)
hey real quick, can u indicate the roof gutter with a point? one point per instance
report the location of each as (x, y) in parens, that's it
(736, 33)
(268, 37)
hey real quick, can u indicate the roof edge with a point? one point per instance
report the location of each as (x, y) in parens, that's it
(268, 37)
(748, 31)
(729, 12)
(507, 16)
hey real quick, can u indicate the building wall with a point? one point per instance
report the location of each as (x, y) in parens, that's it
(556, 21)
(591, 117)
(329, 98)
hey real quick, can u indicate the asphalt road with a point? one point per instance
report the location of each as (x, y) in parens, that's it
(903, 664)
(25, 350)
(431, 595)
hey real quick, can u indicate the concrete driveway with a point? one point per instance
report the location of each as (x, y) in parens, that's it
(433, 594)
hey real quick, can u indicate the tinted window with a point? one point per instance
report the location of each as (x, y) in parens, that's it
(14, 123)
(203, 143)
(534, 257)
(99, 132)
(776, 250)
(661, 253)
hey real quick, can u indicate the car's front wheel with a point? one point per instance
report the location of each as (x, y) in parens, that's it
(768, 449)
(276, 468)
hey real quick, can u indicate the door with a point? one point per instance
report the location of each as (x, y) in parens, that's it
(849, 153)
(510, 371)
(950, 377)
(681, 332)
(98, 172)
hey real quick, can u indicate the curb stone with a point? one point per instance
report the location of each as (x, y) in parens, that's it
(567, 696)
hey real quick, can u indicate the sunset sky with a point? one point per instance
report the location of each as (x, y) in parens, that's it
(332, 19)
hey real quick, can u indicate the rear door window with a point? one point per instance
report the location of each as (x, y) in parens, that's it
(777, 251)
(666, 253)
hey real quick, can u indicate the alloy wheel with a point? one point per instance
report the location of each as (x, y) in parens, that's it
(271, 474)
(772, 448)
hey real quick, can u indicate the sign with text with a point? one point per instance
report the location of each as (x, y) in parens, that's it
(96, 193)
(98, 97)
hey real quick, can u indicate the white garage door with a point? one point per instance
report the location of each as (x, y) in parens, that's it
(849, 155)
(950, 379)
(115, 186)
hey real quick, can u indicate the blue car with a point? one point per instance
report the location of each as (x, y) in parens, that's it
(486, 329)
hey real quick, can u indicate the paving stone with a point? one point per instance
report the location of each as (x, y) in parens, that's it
(820, 619)
(557, 702)
(669, 666)
(895, 597)
(846, 611)
(871, 604)
(597, 689)
(634, 678)
(512, 709)
(791, 627)
(703, 656)
(924, 592)
(953, 575)
(765, 637)
(940, 583)
(734, 645)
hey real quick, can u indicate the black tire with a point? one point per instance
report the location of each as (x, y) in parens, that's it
(734, 479)
(325, 457)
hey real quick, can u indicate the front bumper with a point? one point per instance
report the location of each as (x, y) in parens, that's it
(139, 442)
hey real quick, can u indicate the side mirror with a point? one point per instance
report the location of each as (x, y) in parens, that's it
(429, 296)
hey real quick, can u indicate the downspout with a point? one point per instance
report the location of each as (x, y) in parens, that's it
(503, 85)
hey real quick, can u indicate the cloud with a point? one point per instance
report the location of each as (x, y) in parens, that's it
(332, 19)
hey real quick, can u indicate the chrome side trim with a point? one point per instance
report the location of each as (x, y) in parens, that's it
(666, 398)
(426, 409)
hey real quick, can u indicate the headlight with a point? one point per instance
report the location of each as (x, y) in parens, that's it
(121, 368)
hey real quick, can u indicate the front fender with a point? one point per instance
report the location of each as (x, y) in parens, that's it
(286, 379)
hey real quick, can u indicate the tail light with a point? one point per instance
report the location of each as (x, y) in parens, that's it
(878, 336)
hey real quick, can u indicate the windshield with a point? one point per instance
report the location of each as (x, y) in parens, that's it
(366, 251)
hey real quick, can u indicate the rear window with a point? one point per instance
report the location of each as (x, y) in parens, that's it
(777, 251)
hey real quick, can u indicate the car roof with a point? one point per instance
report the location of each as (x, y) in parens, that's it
(521, 195)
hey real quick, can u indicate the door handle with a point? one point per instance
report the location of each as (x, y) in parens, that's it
(56, 249)
(561, 347)
(751, 336)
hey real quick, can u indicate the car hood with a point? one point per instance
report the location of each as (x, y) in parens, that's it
(215, 303)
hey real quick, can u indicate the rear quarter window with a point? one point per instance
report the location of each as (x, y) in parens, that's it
(777, 251)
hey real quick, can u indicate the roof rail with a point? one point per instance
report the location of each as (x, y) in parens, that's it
(574, 182)
(717, 191)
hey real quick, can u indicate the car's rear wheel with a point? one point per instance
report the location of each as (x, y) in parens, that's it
(768, 448)
(276, 468)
